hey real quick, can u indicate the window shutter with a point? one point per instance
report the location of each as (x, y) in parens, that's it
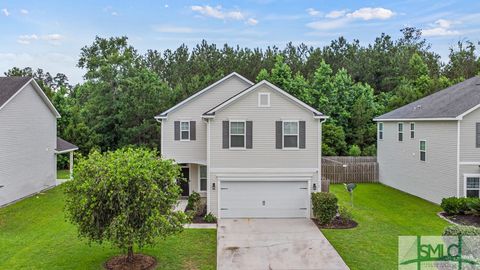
(225, 134)
(301, 133)
(249, 127)
(278, 134)
(477, 135)
(177, 130)
(193, 131)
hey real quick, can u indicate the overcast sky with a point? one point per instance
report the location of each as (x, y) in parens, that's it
(49, 34)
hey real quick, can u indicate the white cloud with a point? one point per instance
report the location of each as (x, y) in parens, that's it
(371, 13)
(24, 11)
(114, 13)
(336, 14)
(166, 5)
(51, 38)
(328, 24)
(5, 12)
(218, 13)
(173, 29)
(313, 12)
(441, 27)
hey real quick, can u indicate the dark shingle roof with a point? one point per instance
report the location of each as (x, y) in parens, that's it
(447, 103)
(9, 86)
(63, 145)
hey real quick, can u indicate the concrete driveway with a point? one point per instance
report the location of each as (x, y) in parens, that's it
(274, 244)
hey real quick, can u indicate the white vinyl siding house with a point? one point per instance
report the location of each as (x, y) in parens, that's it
(28, 142)
(248, 172)
(441, 158)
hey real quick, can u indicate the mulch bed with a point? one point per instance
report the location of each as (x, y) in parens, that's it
(470, 220)
(337, 223)
(198, 218)
(140, 262)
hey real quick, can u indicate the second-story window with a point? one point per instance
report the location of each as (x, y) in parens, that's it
(290, 134)
(380, 131)
(423, 150)
(185, 130)
(412, 130)
(237, 134)
(400, 132)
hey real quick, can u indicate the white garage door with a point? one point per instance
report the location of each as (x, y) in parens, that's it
(264, 199)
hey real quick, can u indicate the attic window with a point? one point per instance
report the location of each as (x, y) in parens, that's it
(263, 99)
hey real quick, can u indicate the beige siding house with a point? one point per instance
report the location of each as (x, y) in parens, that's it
(431, 148)
(252, 150)
(28, 139)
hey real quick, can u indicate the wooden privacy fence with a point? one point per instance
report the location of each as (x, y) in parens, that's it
(350, 169)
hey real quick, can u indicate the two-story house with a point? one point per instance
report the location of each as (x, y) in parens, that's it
(252, 150)
(431, 147)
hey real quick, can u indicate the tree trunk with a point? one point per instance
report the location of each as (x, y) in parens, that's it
(130, 254)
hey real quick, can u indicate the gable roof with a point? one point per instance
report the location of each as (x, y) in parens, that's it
(11, 86)
(451, 103)
(165, 113)
(64, 146)
(211, 112)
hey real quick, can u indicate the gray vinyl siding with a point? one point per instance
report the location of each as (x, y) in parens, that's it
(468, 150)
(263, 158)
(400, 165)
(264, 154)
(466, 169)
(27, 145)
(196, 151)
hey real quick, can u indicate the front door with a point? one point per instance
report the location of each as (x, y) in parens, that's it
(183, 182)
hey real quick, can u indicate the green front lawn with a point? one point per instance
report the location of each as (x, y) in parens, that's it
(35, 235)
(63, 174)
(383, 214)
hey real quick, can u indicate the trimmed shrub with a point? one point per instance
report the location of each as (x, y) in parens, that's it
(474, 205)
(324, 206)
(455, 206)
(193, 201)
(344, 213)
(210, 218)
(457, 230)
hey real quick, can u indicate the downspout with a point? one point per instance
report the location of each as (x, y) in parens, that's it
(458, 158)
(320, 132)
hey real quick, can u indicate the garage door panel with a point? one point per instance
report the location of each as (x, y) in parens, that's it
(269, 199)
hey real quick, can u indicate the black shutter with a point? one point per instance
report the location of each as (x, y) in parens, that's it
(278, 134)
(249, 135)
(193, 131)
(301, 133)
(477, 133)
(226, 134)
(177, 130)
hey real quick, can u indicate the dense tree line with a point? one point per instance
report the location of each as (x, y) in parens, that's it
(347, 81)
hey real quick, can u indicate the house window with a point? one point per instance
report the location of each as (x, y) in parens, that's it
(423, 150)
(380, 131)
(290, 134)
(203, 178)
(237, 134)
(412, 130)
(184, 130)
(473, 187)
(477, 135)
(263, 99)
(400, 132)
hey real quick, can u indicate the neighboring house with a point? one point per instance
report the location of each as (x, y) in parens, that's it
(28, 139)
(431, 147)
(252, 150)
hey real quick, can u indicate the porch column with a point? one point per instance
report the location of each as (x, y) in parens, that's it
(71, 165)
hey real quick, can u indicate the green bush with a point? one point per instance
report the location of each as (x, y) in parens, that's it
(210, 218)
(193, 201)
(473, 205)
(457, 230)
(354, 151)
(344, 213)
(324, 206)
(455, 206)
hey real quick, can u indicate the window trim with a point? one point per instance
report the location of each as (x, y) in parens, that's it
(400, 132)
(283, 134)
(465, 176)
(412, 130)
(244, 134)
(380, 131)
(420, 150)
(200, 178)
(259, 99)
(188, 122)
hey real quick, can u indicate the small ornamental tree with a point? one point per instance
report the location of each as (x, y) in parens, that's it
(125, 197)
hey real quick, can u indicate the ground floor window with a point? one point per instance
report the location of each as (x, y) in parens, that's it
(203, 178)
(473, 187)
